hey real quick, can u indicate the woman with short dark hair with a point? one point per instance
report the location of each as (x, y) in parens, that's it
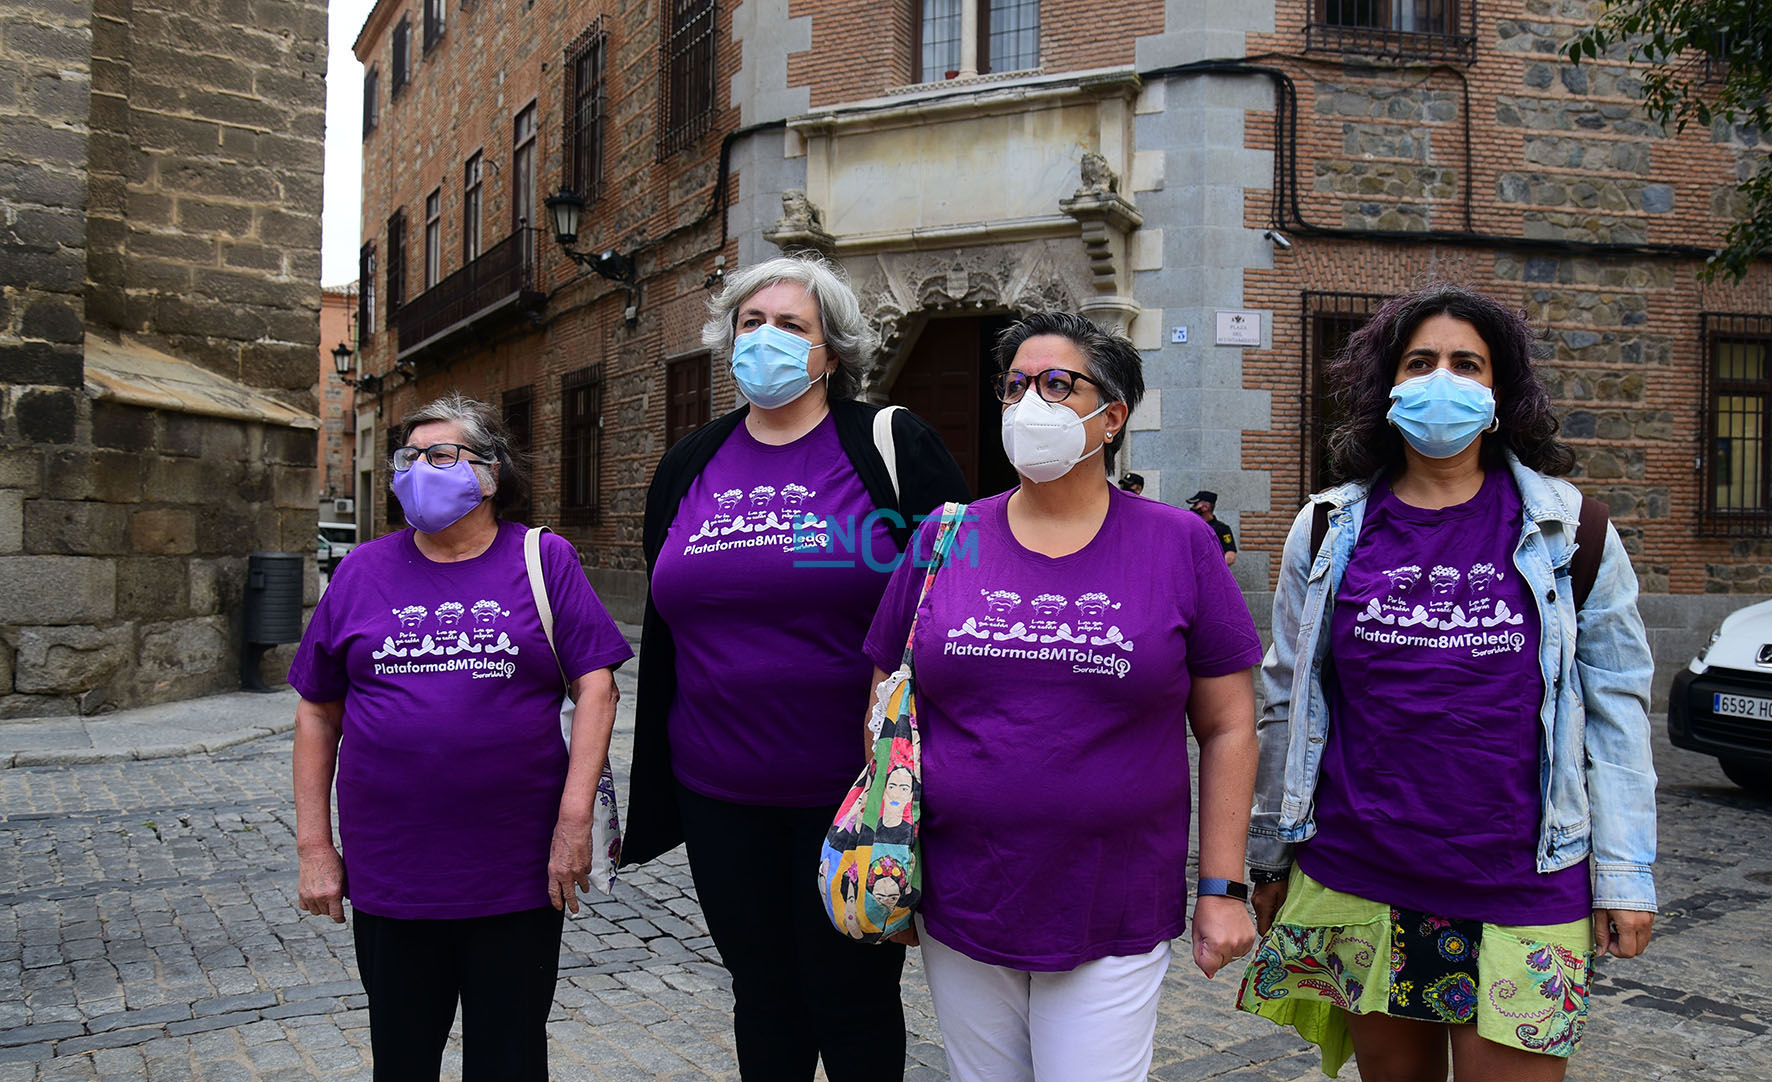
(1060, 655)
(769, 534)
(1464, 810)
(430, 688)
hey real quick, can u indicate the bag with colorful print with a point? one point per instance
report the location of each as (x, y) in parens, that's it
(605, 814)
(869, 874)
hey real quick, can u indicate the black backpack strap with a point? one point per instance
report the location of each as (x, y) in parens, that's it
(1590, 545)
(1319, 527)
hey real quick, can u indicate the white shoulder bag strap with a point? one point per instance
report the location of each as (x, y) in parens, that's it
(888, 449)
(539, 589)
(605, 818)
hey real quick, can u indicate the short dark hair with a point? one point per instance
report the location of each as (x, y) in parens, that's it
(481, 427)
(1112, 360)
(1362, 374)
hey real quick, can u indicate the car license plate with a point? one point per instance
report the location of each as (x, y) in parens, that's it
(1741, 706)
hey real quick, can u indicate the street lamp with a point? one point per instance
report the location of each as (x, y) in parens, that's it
(566, 208)
(341, 364)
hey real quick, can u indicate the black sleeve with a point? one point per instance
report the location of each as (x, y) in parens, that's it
(928, 476)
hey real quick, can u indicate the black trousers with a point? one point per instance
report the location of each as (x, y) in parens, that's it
(501, 968)
(801, 989)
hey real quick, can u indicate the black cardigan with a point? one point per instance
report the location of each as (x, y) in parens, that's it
(927, 478)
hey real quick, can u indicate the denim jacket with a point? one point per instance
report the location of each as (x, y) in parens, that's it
(1596, 777)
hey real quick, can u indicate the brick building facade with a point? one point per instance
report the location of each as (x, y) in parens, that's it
(971, 160)
(336, 403)
(160, 173)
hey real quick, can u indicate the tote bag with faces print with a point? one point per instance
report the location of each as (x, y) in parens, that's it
(868, 874)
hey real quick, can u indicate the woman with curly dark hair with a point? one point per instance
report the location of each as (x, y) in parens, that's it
(1464, 815)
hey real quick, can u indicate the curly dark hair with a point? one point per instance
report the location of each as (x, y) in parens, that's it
(1361, 377)
(1113, 361)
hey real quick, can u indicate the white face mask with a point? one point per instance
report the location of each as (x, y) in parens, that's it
(1045, 439)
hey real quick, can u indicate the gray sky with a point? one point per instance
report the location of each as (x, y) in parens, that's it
(344, 144)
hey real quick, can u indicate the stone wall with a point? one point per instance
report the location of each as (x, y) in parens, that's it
(129, 559)
(45, 79)
(159, 259)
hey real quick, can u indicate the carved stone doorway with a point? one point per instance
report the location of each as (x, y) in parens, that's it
(946, 380)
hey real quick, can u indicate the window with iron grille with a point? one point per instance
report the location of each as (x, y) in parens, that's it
(688, 396)
(581, 446)
(365, 293)
(1329, 319)
(434, 14)
(396, 261)
(584, 111)
(1008, 37)
(433, 237)
(371, 81)
(472, 195)
(1432, 29)
(686, 109)
(1716, 58)
(402, 57)
(518, 407)
(1738, 425)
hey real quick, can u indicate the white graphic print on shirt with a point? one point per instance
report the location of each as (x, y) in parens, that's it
(1470, 619)
(764, 517)
(424, 634)
(1046, 632)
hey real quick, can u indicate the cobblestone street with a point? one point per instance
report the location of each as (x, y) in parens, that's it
(150, 931)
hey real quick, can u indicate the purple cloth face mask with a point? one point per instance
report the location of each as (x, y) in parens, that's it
(435, 499)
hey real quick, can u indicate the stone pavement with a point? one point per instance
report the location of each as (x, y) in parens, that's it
(149, 931)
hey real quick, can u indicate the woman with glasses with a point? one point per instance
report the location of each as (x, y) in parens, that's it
(1061, 655)
(770, 534)
(429, 688)
(1456, 809)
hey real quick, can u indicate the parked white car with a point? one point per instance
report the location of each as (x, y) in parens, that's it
(335, 539)
(1721, 704)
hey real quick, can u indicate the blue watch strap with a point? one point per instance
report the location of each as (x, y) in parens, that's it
(1212, 886)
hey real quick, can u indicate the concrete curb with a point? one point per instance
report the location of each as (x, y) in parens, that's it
(83, 757)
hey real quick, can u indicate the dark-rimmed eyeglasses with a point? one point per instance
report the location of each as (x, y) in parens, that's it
(1054, 384)
(440, 455)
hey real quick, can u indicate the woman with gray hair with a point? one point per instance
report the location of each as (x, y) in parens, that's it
(769, 535)
(429, 686)
(1057, 675)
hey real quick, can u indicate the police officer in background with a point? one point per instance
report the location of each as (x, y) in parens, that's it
(1202, 503)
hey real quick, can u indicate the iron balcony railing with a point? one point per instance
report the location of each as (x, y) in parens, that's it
(502, 277)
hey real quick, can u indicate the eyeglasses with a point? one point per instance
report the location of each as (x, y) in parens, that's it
(1054, 384)
(440, 455)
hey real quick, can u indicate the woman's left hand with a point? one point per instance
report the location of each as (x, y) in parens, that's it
(569, 864)
(1622, 933)
(1223, 932)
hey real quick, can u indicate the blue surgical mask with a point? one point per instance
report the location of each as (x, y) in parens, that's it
(770, 365)
(1442, 413)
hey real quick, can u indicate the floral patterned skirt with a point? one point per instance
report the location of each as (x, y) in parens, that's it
(1329, 953)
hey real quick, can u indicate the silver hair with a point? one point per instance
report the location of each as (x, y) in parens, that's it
(846, 333)
(483, 429)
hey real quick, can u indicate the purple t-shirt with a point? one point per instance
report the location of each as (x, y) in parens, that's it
(451, 764)
(768, 592)
(1428, 797)
(1052, 699)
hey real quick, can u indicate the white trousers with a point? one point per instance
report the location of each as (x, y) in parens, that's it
(1097, 1022)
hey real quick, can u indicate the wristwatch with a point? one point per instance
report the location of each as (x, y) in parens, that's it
(1212, 886)
(1262, 876)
